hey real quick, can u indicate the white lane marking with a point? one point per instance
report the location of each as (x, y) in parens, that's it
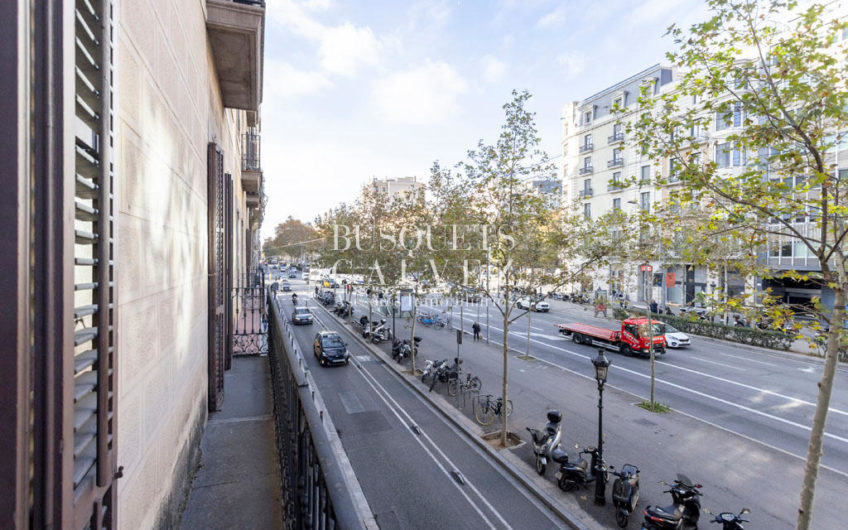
(742, 358)
(808, 369)
(702, 394)
(749, 387)
(696, 358)
(384, 395)
(802, 458)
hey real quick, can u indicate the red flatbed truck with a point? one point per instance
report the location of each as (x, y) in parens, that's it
(632, 339)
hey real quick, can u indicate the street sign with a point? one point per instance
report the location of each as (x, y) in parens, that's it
(646, 268)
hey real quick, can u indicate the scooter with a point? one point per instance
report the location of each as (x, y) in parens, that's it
(401, 349)
(573, 474)
(625, 492)
(380, 332)
(545, 441)
(445, 373)
(730, 520)
(683, 513)
(430, 367)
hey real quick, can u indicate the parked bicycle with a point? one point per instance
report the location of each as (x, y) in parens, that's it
(487, 408)
(471, 384)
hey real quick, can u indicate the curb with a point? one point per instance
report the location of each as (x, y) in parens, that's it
(473, 431)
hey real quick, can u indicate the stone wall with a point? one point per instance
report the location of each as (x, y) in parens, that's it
(169, 108)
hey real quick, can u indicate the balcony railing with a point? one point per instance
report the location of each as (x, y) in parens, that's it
(614, 187)
(585, 192)
(586, 170)
(615, 138)
(615, 162)
(250, 151)
(585, 148)
(317, 491)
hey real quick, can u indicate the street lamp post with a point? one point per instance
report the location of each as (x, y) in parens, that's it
(601, 364)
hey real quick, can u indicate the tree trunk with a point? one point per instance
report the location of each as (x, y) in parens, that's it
(504, 386)
(412, 336)
(814, 451)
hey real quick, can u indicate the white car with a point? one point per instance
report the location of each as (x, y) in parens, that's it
(305, 276)
(675, 338)
(525, 303)
(541, 307)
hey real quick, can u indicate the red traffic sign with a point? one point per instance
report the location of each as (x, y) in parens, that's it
(646, 268)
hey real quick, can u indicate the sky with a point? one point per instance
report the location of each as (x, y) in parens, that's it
(361, 89)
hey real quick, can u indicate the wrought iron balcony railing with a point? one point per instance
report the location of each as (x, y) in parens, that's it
(586, 192)
(615, 138)
(586, 170)
(615, 162)
(585, 148)
(250, 151)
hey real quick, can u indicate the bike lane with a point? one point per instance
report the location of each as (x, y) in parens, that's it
(406, 455)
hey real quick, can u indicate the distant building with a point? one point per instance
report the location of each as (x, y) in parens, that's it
(550, 186)
(397, 187)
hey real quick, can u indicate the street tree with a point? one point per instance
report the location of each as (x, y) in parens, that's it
(516, 227)
(774, 76)
(292, 238)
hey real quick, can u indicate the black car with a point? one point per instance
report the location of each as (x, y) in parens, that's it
(330, 349)
(301, 315)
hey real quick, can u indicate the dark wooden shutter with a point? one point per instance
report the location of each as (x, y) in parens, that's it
(94, 377)
(217, 285)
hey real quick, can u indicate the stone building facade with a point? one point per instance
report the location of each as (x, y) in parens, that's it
(134, 196)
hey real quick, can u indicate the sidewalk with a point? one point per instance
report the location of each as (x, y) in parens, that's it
(238, 483)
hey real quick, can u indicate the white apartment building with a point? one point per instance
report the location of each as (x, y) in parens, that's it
(596, 155)
(397, 187)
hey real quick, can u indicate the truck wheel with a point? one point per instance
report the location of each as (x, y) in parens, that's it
(624, 349)
(575, 337)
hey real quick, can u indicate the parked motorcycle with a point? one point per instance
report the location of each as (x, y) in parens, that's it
(684, 511)
(730, 520)
(401, 349)
(378, 333)
(445, 373)
(625, 492)
(546, 440)
(580, 473)
(430, 367)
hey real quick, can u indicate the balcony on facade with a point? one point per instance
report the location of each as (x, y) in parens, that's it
(236, 35)
(614, 187)
(251, 167)
(585, 148)
(586, 170)
(585, 193)
(615, 162)
(615, 138)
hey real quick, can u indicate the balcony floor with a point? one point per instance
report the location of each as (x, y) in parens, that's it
(238, 483)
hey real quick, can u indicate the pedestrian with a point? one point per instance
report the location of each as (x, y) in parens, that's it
(601, 307)
(654, 306)
(476, 328)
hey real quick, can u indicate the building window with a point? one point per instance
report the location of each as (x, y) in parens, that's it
(616, 129)
(587, 210)
(616, 177)
(737, 115)
(587, 141)
(646, 174)
(587, 162)
(723, 120)
(587, 117)
(616, 204)
(645, 200)
(673, 170)
(618, 102)
(616, 155)
(722, 155)
(587, 186)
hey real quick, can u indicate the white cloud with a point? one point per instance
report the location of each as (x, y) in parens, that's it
(316, 5)
(572, 65)
(284, 80)
(424, 94)
(493, 69)
(655, 10)
(344, 48)
(552, 19)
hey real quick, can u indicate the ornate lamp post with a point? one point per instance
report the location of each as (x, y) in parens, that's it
(601, 364)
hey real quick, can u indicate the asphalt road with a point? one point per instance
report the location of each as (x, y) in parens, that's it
(740, 423)
(406, 455)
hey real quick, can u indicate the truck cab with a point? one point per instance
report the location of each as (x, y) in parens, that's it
(637, 335)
